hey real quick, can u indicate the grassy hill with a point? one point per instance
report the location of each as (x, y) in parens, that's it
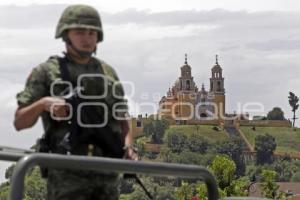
(286, 138)
(204, 130)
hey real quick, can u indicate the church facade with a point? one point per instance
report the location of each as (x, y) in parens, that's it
(184, 101)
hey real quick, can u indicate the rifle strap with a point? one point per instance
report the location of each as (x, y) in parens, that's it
(65, 75)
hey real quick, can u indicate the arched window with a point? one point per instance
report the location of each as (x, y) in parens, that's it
(203, 115)
(219, 86)
(188, 85)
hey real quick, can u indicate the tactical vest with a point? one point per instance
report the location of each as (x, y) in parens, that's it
(108, 137)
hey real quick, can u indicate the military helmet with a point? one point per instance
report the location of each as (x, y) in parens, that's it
(79, 16)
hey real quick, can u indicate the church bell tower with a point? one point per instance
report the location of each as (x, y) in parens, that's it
(217, 88)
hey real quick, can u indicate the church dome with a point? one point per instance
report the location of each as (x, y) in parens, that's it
(216, 67)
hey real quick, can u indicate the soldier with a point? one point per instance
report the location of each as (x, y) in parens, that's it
(97, 128)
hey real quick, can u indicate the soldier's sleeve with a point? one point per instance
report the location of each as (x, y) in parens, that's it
(119, 95)
(35, 87)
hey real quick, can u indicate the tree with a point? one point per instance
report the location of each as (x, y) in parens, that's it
(268, 185)
(176, 141)
(293, 101)
(264, 146)
(223, 168)
(140, 145)
(276, 114)
(155, 129)
(233, 147)
(285, 169)
(9, 171)
(197, 143)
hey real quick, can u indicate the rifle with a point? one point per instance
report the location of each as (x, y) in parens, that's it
(31, 151)
(130, 176)
(67, 143)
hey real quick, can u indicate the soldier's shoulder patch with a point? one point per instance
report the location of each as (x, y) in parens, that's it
(108, 70)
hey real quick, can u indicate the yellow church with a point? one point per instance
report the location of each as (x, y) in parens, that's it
(184, 101)
(184, 104)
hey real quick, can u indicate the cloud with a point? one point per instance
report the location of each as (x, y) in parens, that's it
(277, 45)
(258, 52)
(7, 97)
(33, 16)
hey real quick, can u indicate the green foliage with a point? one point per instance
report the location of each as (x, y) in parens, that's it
(276, 114)
(202, 193)
(234, 149)
(35, 186)
(159, 192)
(176, 141)
(205, 131)
(179, 141)
(140, 145)
(4, 191)
(238, 187)
(264, 146)
(155, 129)
(268, 185)
(293, 101)
(201, 190)
(9, 171)
(184, 192)
(138, 193)
(186, 157)
(125, 197)
(296, 177)
(287, 139)
(126, 186)
(285, 169)
(197, 143)
(164, 193)
(254, 171)
(282, 196)
(223, 168)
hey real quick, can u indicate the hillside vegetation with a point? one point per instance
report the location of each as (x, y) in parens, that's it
(287, 139)
(205, 131)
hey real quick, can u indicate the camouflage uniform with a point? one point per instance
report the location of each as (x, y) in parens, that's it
(79, 184)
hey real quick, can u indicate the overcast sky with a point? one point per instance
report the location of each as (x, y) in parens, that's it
(258, 43)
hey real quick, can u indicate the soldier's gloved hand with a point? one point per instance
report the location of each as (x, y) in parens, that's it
(130, 153)
(56, 106)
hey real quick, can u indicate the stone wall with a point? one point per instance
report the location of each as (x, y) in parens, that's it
(265, 123)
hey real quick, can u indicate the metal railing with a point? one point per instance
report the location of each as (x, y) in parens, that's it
(101, 164)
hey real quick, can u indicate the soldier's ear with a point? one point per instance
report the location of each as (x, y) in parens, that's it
(66, 38)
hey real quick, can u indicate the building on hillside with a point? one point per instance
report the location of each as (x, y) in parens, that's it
(184, 101)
